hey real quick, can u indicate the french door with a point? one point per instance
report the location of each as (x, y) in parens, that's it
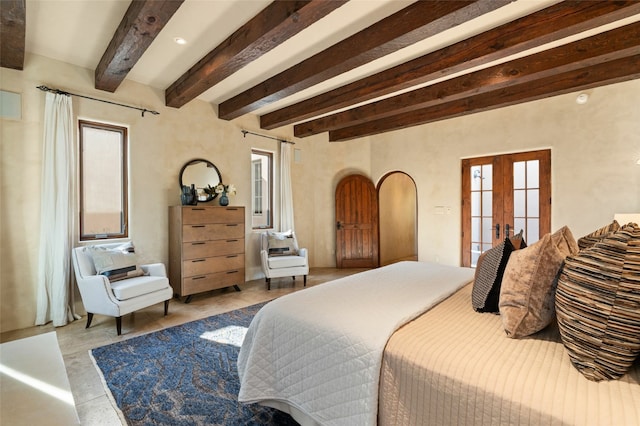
(501, 196)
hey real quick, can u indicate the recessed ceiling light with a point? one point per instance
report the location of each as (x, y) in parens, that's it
(582, 98)
(180, 40)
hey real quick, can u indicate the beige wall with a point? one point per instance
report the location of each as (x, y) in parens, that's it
(594, 150)
(159, 146)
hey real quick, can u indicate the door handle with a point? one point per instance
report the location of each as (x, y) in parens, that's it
(497, 228)
(506, 230)
(338, 225)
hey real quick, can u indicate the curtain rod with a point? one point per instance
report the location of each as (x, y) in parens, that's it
(62, 92)
(245, 132)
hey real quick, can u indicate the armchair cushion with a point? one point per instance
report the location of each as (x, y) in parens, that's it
(117, 263)
(282, 244)
(277, 262)
(138, 286)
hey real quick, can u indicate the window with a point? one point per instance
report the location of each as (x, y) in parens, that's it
(103, 181)
(261, 189)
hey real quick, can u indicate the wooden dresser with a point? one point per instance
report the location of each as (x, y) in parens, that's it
(206, 248)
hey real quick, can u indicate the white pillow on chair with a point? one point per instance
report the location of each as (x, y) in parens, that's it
(117, 263)
(282, 244)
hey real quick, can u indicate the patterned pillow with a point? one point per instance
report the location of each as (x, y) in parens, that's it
(489, 272)
(528, 287)
(116, 263)
(598, 304)
(598, 235)
(282, 244)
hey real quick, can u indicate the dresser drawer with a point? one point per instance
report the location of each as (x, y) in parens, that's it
(200, 283)
(212, 231)
(201, 215)
(200, 249)
(210, 265)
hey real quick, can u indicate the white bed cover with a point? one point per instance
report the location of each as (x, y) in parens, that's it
(320, 350)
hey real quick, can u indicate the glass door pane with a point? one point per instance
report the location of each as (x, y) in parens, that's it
(481, 209)
(526, 199)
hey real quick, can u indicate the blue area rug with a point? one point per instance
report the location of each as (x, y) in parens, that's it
(184, 375)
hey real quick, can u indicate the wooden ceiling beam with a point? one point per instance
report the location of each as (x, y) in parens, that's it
(615, 71)
(614, 44)
(275, 24)
(550, 24)
(410, 25)
(12, 33)
(139, 27)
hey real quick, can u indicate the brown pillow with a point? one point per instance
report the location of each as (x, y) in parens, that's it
(489, 272)
(598, 304)
(598, 235)
(528, 287)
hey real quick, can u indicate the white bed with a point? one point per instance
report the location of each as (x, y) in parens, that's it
(338, 354)
(319, 351)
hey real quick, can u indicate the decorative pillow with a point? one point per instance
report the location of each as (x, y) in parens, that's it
(116, 263)
(528, 287)
(598, 235)
(598, 304)
(489, 272)
(282, 244)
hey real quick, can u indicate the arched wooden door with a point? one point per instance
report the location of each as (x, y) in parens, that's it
(356, 223)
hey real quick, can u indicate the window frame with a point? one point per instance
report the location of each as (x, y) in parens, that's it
(124, 140)
(269, 155)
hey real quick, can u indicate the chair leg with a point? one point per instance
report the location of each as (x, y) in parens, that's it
(89, 319)
(305, 280)
(166, 307)
(294, 277)
(119, 325)
(268, 280)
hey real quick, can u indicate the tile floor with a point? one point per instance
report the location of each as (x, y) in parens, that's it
(92, 403)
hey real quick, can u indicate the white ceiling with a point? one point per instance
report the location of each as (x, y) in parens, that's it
(78, 32)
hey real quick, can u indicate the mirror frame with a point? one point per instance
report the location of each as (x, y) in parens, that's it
(209, 164)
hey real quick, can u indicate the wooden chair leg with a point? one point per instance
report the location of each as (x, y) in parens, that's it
(89, 319)
(119, 325)
(268, 280)
(166, 307)
(305, 280)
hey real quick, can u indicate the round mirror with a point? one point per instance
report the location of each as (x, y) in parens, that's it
(202, 174)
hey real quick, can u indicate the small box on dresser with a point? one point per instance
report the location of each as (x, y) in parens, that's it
(206, 248)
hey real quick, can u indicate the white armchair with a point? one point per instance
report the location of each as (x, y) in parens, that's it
(118, 298)
(287, 263)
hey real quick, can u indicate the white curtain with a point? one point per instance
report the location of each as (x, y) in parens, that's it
(286, 194)
(55, 283)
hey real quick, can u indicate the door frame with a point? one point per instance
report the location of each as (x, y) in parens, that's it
(502, 197)
(378, 188)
